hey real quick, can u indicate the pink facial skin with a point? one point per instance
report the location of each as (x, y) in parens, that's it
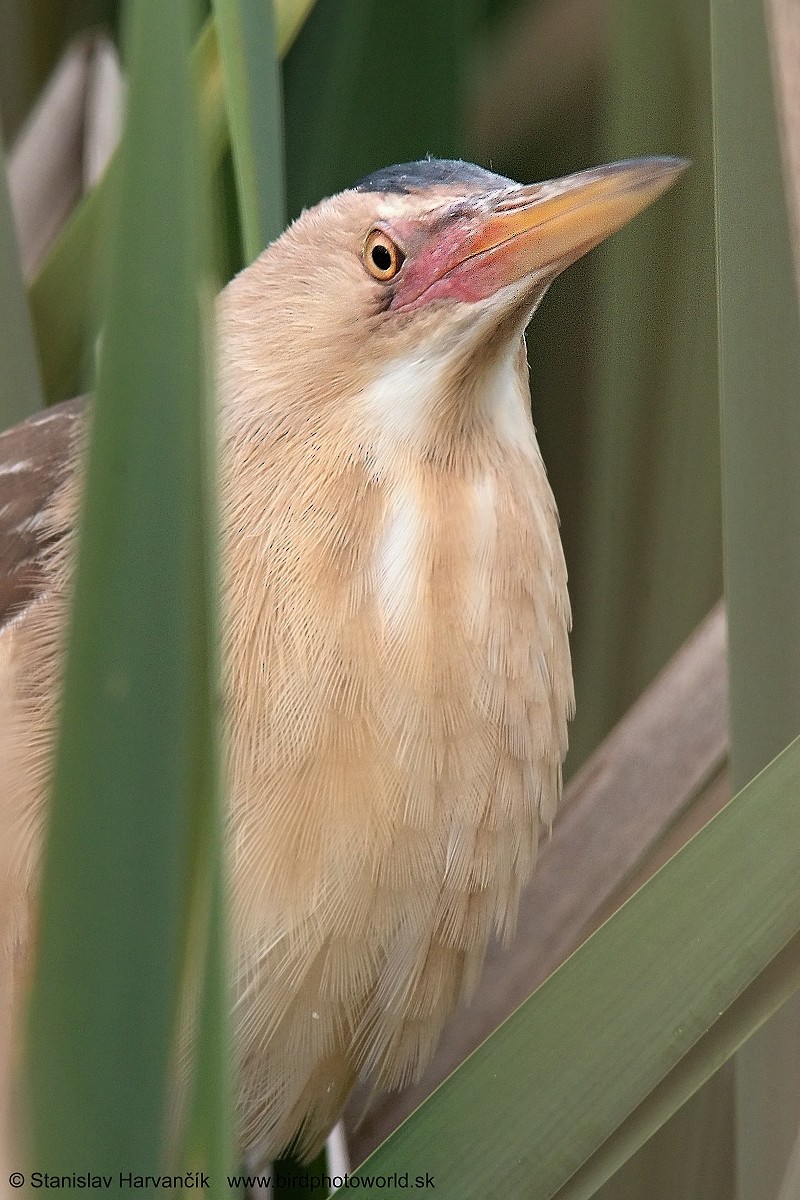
(450, 263)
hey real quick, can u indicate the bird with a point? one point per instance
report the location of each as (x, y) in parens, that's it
(394, 619)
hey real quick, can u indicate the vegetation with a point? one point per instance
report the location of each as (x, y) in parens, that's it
(238, 115)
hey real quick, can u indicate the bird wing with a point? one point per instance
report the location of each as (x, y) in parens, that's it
(35, 457)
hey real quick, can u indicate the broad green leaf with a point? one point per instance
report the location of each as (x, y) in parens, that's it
(290, 16)
(20, 385)
(128, 880)
(651, 553)
(757, 1003)
(255, 117)
(561, 1075)
(759, 347)
(649, 528)
(790, 1185)
(209, 1136)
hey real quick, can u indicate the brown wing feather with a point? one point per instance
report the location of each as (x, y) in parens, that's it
(35, 457)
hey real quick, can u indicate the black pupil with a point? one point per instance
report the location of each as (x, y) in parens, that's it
(381, 257)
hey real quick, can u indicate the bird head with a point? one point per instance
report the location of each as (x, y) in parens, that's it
(409, 292)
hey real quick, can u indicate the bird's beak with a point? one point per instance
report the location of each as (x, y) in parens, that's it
(534, 232)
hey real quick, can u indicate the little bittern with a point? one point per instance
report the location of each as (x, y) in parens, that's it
(395, 618)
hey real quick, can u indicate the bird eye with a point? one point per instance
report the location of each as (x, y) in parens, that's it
(383, 259)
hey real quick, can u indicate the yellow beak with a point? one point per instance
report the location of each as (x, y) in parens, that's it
(552, 224)
(535, 231)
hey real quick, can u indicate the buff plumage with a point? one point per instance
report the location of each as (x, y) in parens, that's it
(395, 625)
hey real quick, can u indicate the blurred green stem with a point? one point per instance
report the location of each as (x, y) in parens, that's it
(20, 382)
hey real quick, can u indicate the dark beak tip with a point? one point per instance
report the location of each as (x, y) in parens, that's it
(660, 166)
(652, 175)
(673, 164)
